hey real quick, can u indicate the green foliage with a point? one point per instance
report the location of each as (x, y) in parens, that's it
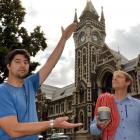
(14, 36)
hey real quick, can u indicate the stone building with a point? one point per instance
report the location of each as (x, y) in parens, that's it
(95, 63)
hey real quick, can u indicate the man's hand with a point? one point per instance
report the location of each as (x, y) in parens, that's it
(66, 33)
(102, 124)
(62, 122)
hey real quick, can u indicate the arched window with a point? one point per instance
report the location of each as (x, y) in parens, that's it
(81, 95)
(107, 82)
(82, 118)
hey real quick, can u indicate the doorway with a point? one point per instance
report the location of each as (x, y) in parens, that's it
(107, 82)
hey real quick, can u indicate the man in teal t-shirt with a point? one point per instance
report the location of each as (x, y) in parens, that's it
(19, 102)
(18, 117)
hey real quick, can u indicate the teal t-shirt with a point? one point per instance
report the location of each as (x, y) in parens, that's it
(19, 101)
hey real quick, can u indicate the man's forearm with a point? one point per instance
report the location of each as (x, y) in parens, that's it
(52, 60)
(54, 57)
(25, 129)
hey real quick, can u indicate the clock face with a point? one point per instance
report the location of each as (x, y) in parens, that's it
(82, 37)
(95, 37)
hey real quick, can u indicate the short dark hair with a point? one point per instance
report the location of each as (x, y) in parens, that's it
(10, 56)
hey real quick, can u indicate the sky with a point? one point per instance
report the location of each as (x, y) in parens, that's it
(122, 30)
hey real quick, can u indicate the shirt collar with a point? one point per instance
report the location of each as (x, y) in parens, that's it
(127, 98)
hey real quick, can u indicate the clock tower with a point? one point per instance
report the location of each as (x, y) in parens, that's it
(89, 38)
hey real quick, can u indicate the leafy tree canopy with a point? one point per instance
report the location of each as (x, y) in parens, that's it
(14, 36)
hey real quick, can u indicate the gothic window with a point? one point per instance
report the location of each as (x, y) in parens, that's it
(88, 96)
(84, 59)
(81, 98)
(78, 62)
(84, 56)
(107, 82)
(62, 107)
(76, 98)
(84, 63)
(51, 110)
(78, 59)
(93, 67)
(78, 65)
(94, 60)
(82, 118)
(69, 105)
(57, 109)
(89, 108)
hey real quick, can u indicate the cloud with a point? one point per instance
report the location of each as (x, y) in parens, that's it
(127, 41)
(63, 73)
(32, 12)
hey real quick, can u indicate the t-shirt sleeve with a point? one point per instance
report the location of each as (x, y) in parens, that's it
(34, 79)
(7, 107)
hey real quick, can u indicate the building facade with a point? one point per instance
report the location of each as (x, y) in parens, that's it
(95, 63)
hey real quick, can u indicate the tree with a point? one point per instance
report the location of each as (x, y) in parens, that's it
(14, 36)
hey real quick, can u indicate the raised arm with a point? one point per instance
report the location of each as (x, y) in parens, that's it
(54, 57)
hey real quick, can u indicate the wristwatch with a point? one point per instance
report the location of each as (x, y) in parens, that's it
(51, 124)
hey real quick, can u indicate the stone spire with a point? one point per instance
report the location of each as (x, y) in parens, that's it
(75, 16)
(102, 20)
(119, 59)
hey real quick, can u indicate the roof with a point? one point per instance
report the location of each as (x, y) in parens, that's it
(48, 90)
(123, 59)
(55, 93)
(131, 64)
(64, 92)
(89, 8)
